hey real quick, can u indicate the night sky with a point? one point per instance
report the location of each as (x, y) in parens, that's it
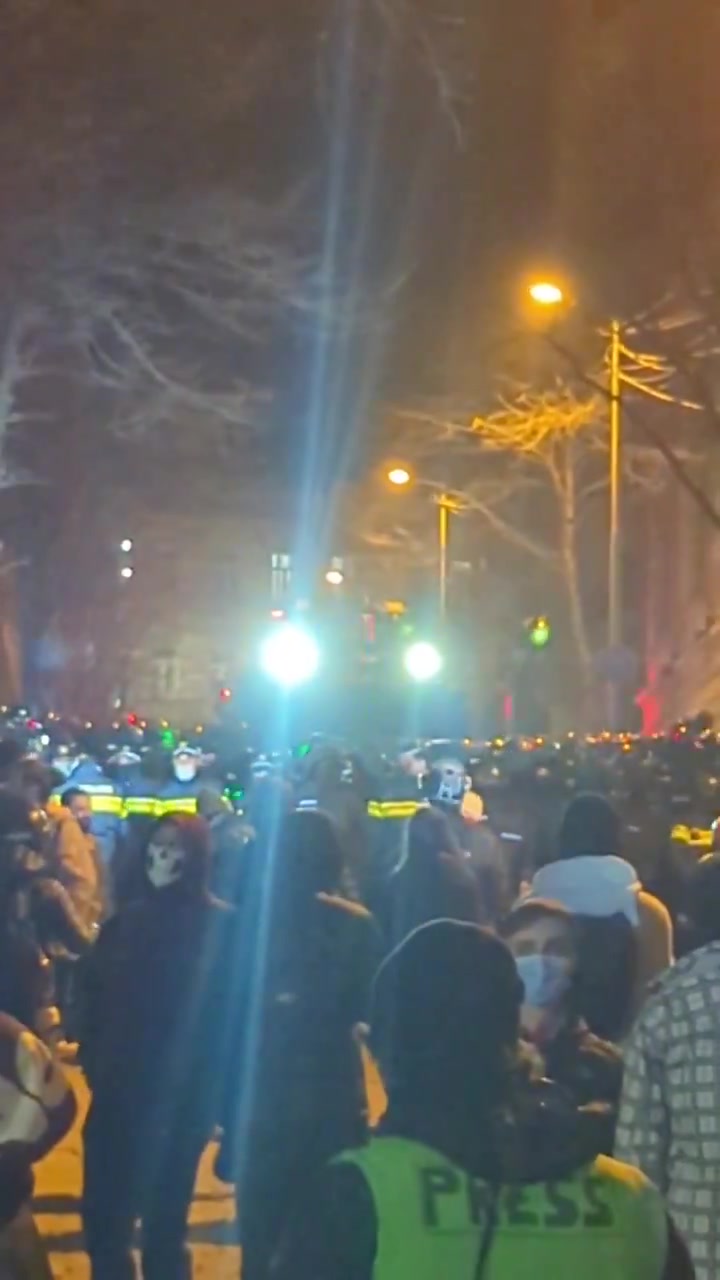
(424, 152)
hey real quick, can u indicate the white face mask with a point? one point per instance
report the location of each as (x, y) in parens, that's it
(164, 865)
(185, 772)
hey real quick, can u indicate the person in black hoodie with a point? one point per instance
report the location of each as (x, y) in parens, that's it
(296, 1091)
(434, 880)
(151, 1045)
(476, 1170)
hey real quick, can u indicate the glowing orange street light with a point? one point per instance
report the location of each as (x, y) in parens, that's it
(546, 293)
(401, 478)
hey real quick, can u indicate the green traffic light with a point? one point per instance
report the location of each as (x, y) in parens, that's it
(540, 633)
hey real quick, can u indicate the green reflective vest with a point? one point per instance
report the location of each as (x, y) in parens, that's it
(607, 1222)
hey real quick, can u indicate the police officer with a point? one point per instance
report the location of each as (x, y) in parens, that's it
(476, 1171)
(180, 793)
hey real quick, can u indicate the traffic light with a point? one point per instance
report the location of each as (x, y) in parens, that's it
(539, 632)
(226, 694)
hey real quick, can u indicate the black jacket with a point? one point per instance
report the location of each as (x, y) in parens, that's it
(308, 985)
(154, 1006)
(442, 888)
(590, 1070)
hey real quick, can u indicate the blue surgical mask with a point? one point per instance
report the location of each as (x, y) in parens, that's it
(545, 978)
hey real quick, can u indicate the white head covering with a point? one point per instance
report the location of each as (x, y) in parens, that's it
(590, 886)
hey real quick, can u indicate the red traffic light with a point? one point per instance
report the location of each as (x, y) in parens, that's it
(226, 695)
(132, 720)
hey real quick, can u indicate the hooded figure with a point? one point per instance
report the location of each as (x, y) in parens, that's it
(476, 1170)
(151, 1046)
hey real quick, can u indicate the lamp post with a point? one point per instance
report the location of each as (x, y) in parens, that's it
(548, 294)
(401, 477)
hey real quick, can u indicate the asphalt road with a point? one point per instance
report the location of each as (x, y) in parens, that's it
(57, 1205)
(57, 1212)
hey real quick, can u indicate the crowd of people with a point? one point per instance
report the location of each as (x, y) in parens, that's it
(551, 1073)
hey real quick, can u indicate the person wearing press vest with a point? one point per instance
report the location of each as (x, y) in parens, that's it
(477, 1172)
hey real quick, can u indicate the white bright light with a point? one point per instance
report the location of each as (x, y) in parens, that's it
(423, 661)
(399, 476)
(546, 293)
(289, 656)
(126, 571)
(334, 577)
(126, 545)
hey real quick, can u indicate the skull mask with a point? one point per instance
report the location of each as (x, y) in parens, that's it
(164, 864)
(452, 781)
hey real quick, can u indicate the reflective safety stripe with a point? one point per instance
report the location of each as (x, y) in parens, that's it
(142, 806)
(181, 804)
(107, 804)
(385, 809)
(698, 837)
(100, 802)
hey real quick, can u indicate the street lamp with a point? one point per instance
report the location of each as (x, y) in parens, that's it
(548, 294)
(401, 477)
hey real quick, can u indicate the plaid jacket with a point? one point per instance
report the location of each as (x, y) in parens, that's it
(670, 1109)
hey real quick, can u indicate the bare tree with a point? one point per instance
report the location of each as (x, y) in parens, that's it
(20, 364)
(532, 470)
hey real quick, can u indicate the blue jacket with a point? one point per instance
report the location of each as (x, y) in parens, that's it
(178, 797)
(105, 800)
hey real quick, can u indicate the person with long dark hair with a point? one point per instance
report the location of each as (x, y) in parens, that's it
(158, 985)
(434, 879)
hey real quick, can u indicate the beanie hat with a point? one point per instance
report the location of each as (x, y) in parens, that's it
(448, 996)
(590, 825)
